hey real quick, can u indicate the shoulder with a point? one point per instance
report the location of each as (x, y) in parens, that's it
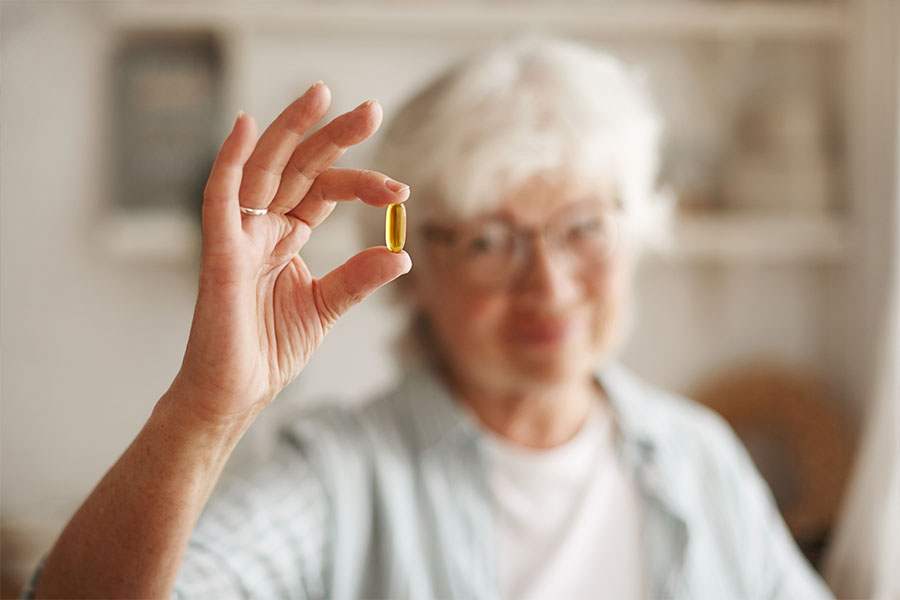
(675, 424)
(708, 475)
(333, 430)
(703, 465)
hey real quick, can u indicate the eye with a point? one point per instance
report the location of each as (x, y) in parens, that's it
(586, 227)
(481, 244)
(490, 239)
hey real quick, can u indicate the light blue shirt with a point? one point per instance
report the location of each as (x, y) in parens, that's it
(391, 500)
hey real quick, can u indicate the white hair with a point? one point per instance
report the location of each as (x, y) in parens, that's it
(531, 106)
(491, 122)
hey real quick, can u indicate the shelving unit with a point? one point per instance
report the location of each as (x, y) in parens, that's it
(713, 237)
(758, 239)
(769, 19)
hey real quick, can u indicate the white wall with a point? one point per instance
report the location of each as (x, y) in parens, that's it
(87, 343)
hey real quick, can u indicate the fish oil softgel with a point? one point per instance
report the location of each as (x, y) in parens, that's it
(395, 227)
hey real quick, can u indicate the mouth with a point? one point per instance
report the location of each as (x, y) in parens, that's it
(543, 332)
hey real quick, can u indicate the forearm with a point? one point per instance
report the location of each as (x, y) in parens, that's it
(128, 538)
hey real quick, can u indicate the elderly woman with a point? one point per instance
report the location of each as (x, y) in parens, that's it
(516, 458)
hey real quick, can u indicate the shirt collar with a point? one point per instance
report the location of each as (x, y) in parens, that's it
(642, 433)
(439, 418)
(441, 423)
(637, 424)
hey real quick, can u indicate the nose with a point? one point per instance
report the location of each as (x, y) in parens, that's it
(546, 280)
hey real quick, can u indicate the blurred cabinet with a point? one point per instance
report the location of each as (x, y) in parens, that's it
(167, 93)
(762, 100)
(167, 88)
(752, 91)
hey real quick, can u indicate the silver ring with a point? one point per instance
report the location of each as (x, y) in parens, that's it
(254, 212)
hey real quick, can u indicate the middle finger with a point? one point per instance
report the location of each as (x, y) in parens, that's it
(262, 172)
(317, 152)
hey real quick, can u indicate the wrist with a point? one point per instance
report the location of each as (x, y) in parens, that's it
(184, 409)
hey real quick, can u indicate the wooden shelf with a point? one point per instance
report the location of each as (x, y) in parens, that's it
(758, 238)
(171, 236)
(691, 18)
(730, 237)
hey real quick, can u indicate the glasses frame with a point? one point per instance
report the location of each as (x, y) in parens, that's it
(524, 239)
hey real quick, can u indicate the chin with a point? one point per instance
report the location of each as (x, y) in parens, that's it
(553, 365)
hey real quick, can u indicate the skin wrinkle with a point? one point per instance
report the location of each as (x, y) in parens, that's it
(305, 115)
(266, 318)
(291, 243)
(286, 347)
(320, 200)
(300, 173)
(329, 316)
(308, 325)
(270, 175)
(301, 178)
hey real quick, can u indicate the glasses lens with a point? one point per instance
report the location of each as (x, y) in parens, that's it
(587, 235)
(487, 252)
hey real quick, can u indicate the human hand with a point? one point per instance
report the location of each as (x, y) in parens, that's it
(260, 314)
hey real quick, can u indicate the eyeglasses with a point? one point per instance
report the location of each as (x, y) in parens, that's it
(494, 252)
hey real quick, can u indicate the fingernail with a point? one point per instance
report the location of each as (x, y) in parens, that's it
(319, 82)
(395, 186)
(365, 104)
(240, 114)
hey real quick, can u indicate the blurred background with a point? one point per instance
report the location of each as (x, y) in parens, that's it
(775, 303)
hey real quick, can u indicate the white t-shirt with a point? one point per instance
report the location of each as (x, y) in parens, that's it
(568, 517)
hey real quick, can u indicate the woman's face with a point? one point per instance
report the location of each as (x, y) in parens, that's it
(542, 315)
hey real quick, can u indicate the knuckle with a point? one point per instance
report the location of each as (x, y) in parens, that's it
(302, 171)
(298, 121)
(318, 193)
(306, 111)
(363, 179)
(370, 175)
(260, 167)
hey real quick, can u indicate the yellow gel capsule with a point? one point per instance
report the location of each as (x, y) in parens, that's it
(395, 227)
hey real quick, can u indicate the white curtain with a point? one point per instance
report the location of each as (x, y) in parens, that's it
(864, 558)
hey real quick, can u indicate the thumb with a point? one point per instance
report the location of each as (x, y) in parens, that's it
(358, 277)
